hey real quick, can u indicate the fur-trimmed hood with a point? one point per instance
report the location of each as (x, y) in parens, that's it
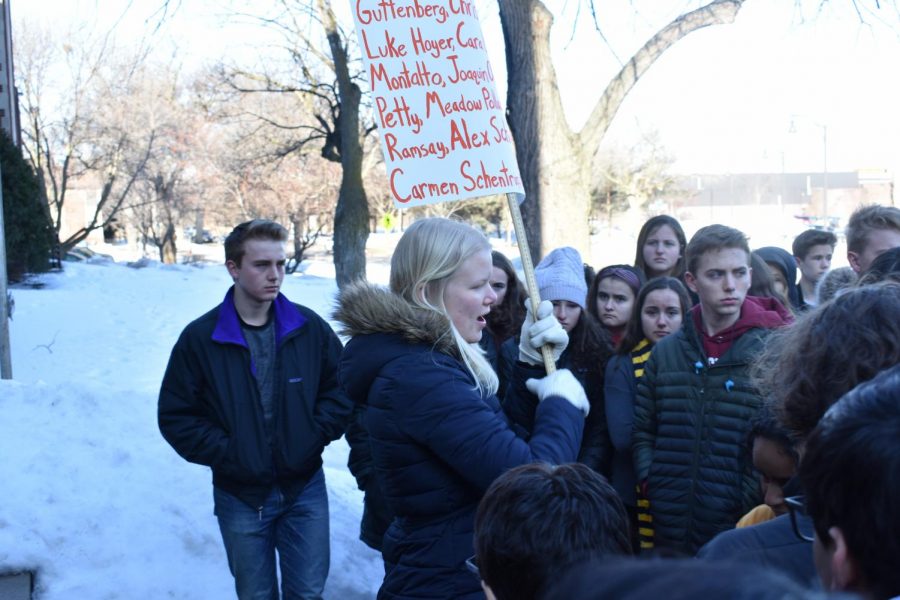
(383, 328)
(364, 309)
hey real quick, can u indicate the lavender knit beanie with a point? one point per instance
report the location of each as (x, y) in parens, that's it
(560, 276)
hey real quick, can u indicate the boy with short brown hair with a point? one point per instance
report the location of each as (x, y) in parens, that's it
(251, 391)
(872, 230)
(695, 401)
(812, 250)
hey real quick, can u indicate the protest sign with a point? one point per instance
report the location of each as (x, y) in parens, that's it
(443, 130)
(442, 127)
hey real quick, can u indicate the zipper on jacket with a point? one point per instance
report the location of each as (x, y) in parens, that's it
(703, 371)
(260, 513)
(706, 374)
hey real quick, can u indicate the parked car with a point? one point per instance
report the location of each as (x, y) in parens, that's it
(204, 236)
(85, 254)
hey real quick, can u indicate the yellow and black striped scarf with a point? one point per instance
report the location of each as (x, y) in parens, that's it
(640, 354)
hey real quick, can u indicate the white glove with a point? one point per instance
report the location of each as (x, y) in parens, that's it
(546, 330)
(563, 384)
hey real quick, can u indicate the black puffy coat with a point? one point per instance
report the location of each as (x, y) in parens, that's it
(436, 442)
(690, 437)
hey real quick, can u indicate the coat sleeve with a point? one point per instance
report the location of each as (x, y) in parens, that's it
(644, 430)
(377, 515)
(183, 412)
(453, 421)
(519, 404)
(359, 461)
(333, 408)
(620, 389)
(506, 362)
(596, 448)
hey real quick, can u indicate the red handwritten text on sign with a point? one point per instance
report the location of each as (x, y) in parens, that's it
(441, 123)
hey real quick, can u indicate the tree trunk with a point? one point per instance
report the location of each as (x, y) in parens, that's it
(556, 162)
(351, 216)
(555, 180)
(167, 251)
(298, 223)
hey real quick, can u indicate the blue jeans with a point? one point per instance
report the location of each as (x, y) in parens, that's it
(299, 533)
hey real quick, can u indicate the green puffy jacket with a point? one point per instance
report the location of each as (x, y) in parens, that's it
(690, 437)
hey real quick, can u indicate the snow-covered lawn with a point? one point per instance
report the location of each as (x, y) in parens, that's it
(91, 496)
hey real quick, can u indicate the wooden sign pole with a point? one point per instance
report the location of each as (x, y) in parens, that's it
(528, 268)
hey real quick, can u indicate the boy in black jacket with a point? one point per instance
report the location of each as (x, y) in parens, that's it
(696, 400)
(251, 391)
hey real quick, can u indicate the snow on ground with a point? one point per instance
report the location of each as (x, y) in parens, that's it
(91, 496)
(93, 499)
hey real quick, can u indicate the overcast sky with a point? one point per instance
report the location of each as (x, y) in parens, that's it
(723, 99)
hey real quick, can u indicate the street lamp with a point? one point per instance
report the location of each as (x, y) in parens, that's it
(793, 129)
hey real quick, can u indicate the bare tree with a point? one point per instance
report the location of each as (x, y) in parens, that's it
(555, 161)
(252, 166)
(352, 215)
(378, 196)
(322, 80)
(300, 189)
(634, 176)
(72, 127)
(157, 213)
(158, 108)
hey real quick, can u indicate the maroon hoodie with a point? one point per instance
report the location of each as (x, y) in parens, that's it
(767, 313)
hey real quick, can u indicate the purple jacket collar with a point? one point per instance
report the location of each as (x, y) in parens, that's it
(228, 326)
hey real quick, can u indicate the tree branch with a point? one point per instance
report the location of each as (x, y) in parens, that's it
(714, 13)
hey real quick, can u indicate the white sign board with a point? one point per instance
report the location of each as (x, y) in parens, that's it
(442, 127)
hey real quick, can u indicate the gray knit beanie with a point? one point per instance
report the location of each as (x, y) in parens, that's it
(560, 276)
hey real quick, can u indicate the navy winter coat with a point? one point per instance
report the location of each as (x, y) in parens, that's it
(209, 407)
(620, 390)
(436, 442)
(771, 544)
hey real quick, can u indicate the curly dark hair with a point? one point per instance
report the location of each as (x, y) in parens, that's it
(590, 344)
(849, 475)
(807, 366)
(764, 425)
(886, 267)
(505, 319)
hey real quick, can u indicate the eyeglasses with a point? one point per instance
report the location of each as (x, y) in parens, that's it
(797, 506)
(472, 566)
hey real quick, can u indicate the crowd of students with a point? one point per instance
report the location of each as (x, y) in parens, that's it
(684, 399)
(704, 404)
